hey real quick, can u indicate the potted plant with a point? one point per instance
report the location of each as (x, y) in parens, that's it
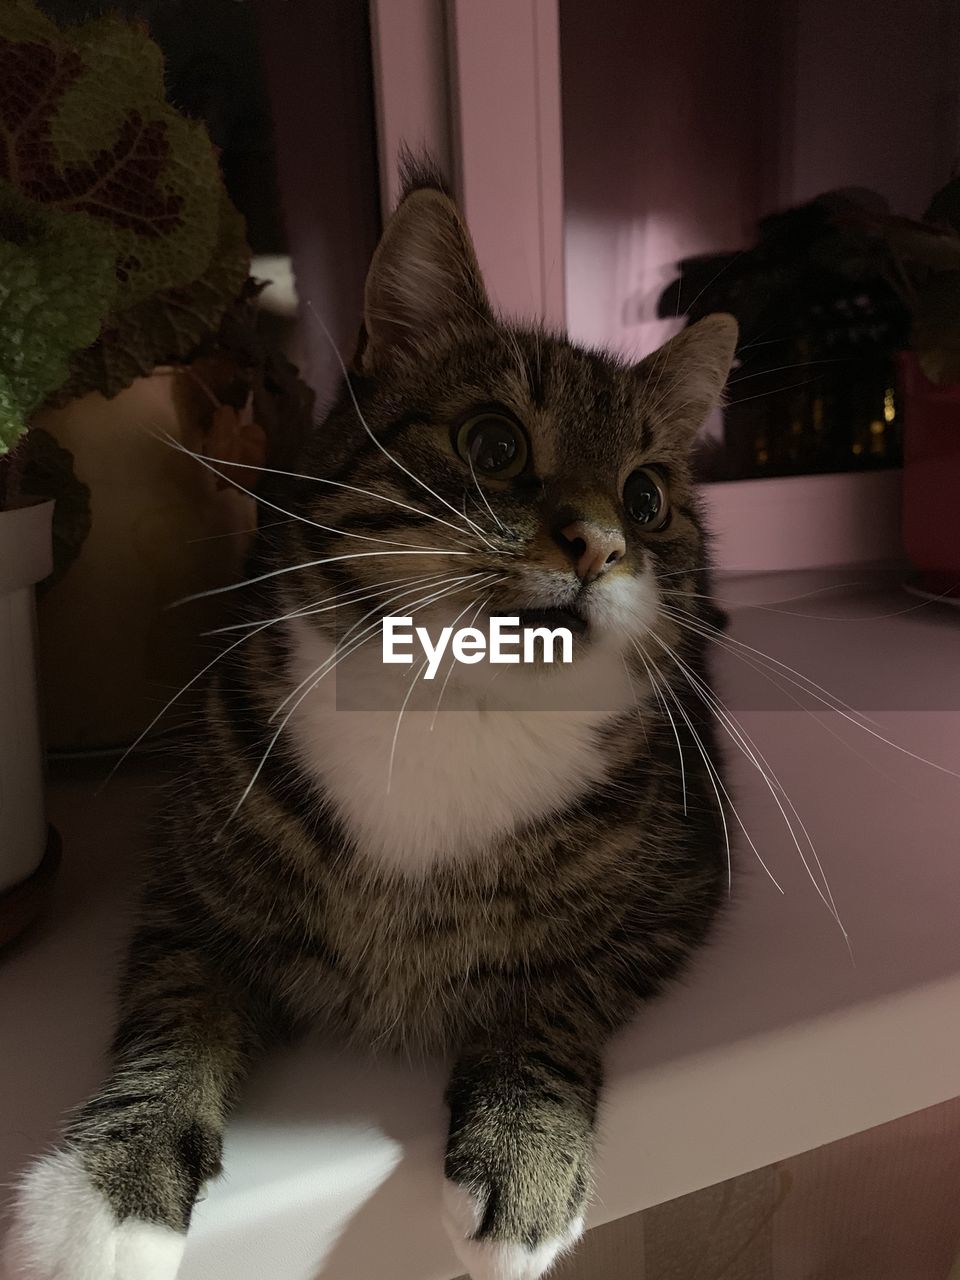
(820, 326)
(850, 336)
(922, 261)
(123, 266)
(126, 318)
(28, 853)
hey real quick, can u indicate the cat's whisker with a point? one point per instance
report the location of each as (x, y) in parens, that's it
(349, 488)
(712, 772)
(660, 361)
(314, 524)
(326, 668)
(781, 368)
(736, 812)
(807, 685)
(870, 617)
(716, 599)
(380, 610)
(692, 571)
(396, 729)
(814, 690)
(640, 710)
(735, 258)
(723, 641)
(310, 564)
(327, 603)
(446, 680)
(386, 452)
(676, 733)
(238, 533)
(739, 736)
(794, 386)
(176, 697)
(486, 502)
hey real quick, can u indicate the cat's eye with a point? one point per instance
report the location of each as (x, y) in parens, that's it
(646, 500)
(493, 445)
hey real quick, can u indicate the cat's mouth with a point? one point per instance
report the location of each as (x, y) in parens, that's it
(569, 619)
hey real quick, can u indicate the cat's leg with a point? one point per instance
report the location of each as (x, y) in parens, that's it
(522, 1114)
(114, 1201)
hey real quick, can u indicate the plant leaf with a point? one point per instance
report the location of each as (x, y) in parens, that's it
(91, 153)
(944, 208)
(84, 129)
(167, 327)
(54, 292)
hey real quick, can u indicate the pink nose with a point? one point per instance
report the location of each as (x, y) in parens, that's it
(591, 548)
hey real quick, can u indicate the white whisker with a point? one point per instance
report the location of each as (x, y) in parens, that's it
(396, 730)
(837, 706)
(179, 694)
(350, 488)
(380, 610)
(386, 452)
(310, 564)
(739, 736)
(712, 773)
(800, 681)
(446, 679)
(327, 603)
(292, 515)
(676, 734)
(484, 497)
(325, 670)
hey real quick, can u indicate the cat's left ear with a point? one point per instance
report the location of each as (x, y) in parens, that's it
(686, 376)
(423, 277)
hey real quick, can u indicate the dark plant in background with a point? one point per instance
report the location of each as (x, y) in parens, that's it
(826, 298)
(120, 251)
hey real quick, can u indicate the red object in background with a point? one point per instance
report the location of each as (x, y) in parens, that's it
(931, 477)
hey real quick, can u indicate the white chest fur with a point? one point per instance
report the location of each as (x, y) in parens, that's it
(444, 786)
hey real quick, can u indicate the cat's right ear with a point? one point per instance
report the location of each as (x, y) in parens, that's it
(424, 277)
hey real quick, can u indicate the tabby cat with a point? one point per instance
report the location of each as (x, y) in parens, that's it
(504, 878)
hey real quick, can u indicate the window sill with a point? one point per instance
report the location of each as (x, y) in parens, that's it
(775, 1043)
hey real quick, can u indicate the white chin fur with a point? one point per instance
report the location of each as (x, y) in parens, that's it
(498, 1259)
(63, 1229)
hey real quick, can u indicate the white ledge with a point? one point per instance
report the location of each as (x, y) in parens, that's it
(775, 1043)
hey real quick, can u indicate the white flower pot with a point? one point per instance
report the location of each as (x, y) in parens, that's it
(25, 558)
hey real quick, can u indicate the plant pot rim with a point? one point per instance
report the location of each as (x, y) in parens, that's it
(26, 544)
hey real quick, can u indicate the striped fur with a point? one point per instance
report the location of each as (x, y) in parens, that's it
(519, 945)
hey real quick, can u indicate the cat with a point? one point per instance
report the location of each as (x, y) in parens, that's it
(504, 880)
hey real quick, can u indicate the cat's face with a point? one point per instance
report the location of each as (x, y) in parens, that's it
(536, 478)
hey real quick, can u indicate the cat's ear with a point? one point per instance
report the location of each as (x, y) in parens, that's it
(686, 376)
(424, 276)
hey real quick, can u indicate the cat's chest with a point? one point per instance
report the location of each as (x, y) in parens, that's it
(420, 788)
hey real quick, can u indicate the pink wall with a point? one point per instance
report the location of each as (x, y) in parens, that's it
(872, 98)
(317, 61)
(664, 118)
(683, 123)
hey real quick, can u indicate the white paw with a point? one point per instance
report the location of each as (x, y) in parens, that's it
(497, 1259)
(63, 1229)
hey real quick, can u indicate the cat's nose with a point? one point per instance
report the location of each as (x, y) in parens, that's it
(591, 548)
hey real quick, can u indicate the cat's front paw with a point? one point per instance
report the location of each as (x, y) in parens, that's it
(486, 1257)
(64, 1229)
